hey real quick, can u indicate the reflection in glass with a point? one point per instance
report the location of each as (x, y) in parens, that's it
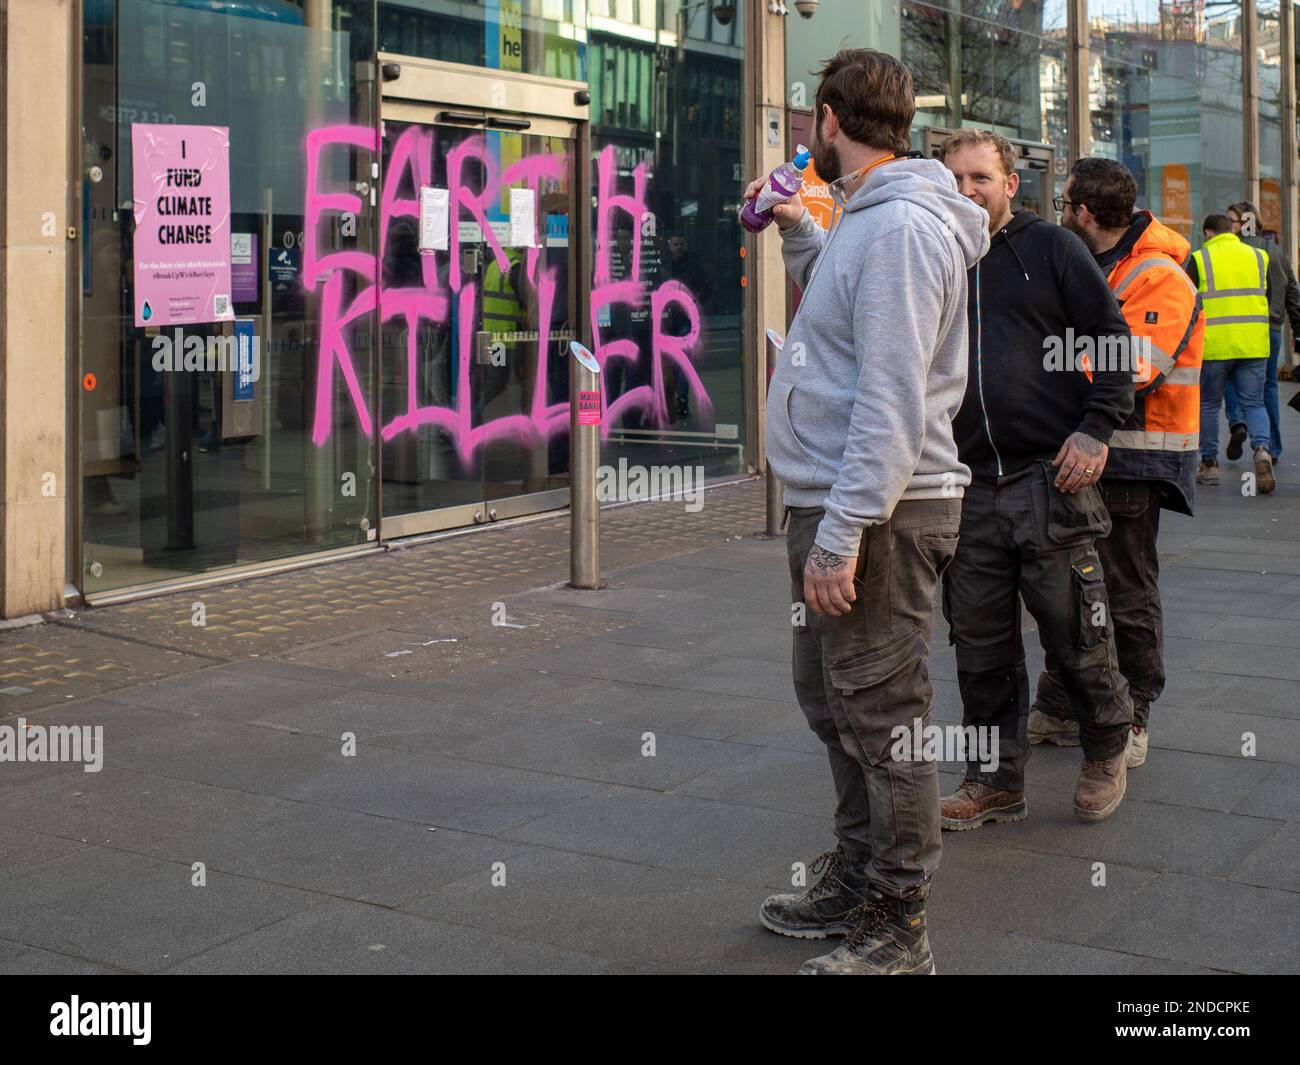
(1165, 91)
(186, 471)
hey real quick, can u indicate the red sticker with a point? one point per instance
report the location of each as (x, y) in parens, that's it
(588, 408)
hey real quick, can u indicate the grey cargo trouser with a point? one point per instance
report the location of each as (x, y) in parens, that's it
(1131, 563)
(860, 676)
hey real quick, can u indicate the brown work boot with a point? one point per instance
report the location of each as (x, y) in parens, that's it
(1101, 786)
(1208, 472)
(1137, 747)
(974, 803)
(1265, 482)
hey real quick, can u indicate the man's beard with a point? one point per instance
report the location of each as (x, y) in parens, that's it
(825, 158)
(1079, 232)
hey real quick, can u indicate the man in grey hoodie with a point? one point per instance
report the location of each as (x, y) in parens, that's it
(859, 431)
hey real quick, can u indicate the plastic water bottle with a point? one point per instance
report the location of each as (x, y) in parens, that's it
(783, 183)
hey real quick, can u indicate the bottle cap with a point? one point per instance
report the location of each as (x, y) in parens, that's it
(801, 157)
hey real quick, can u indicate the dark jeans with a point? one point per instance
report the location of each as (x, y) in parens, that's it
(860, 676)
(1233, 406)
(1021, 538)
(1132, 567)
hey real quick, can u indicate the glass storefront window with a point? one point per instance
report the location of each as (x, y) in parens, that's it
(249, 192)
(543, 37)
(475, 337)
(213, 464)
(1123, 61)
(1268, 41)
(666, 145)
(190, 460)
(1168, 76)
(994, 66)
(838, 24)
(976, 63)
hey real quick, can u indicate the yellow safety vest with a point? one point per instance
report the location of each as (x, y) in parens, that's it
(503, 310)
(1233, 280)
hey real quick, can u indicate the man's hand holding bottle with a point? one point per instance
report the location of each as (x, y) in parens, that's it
(784, 214)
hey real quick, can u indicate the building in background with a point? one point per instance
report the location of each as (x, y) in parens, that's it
(415, 206)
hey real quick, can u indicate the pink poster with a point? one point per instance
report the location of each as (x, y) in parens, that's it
(182, 224)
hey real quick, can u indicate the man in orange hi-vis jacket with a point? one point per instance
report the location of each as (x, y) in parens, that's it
(1153, 455)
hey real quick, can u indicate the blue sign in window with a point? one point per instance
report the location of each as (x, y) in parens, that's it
(246, 374)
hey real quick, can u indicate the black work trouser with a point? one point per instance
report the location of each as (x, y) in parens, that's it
(1132, 567)
(1022, 538)
(862, 683)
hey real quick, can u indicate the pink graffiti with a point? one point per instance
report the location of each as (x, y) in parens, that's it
(648, 399)
(432, 301)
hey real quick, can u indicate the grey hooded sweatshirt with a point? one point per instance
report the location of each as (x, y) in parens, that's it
(860, 408)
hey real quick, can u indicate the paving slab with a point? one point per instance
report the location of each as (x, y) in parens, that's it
(963, 951)
(22, 847)
(20, 959)
(1001, 888)
(134, 811)
(753, 678)
(661, 917)
(517, 750)
(1277, 795)
(1237, 927)
(338, 852)
(700, 836)
(1144, 835)
(1275, 863)
(602, 752)
(344, 937)
(134, 912)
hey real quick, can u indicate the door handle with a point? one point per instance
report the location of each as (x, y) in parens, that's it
(508, 123)
(460, 116)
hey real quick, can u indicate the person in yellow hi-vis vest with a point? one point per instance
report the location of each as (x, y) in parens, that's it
(1232, 278)
(504, 315)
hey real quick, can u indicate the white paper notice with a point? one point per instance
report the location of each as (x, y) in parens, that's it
(523, 219)
(434, 216)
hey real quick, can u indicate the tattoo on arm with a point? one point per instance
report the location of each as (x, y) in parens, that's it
(824, 562)
(1088, 445)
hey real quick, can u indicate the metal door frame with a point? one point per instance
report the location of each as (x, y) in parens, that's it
(417, 90)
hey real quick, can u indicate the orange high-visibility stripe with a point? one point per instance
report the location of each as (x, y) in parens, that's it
(1153, 285)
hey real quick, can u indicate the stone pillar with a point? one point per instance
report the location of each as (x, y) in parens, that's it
(765, 296)
(35, 122)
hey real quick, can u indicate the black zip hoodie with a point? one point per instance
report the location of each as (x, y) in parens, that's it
(1037, 281)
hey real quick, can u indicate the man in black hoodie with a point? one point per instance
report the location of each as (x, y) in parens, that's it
(1034, 429)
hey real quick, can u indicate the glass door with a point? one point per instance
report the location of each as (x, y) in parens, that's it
(477, 303)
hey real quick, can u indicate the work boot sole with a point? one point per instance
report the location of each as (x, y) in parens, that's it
(825, 931)
(1105, 811)
(1236, 441)
(1265, 482)
(926, 968)
(1018, 812)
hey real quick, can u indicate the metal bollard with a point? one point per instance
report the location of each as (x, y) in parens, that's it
(584, 460)
(775, 502)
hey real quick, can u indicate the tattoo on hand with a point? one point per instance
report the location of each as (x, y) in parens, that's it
(1087, 444)
(824, 562)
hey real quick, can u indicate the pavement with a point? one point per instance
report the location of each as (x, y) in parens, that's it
(440, 759)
